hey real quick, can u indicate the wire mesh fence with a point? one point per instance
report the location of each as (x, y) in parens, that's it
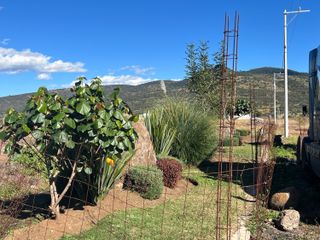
(223, 198)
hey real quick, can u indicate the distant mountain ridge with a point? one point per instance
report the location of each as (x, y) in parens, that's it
(143, 97)
(271, 70)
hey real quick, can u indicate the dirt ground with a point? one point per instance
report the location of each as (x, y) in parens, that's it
(75, 221)
(3, 158)
(296, 126)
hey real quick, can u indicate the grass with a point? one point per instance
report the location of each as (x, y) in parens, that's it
(10, 191)
(191, 216)
(240, 153)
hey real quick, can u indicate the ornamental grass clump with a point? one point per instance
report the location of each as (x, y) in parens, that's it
(171, 170)
(146, 180)
(195, 132)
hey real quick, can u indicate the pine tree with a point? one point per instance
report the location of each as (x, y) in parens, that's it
(191, 67)
(203, 77)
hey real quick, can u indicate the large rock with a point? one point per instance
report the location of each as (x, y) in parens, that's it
(145, 154)
(285, 198)
(289, 220)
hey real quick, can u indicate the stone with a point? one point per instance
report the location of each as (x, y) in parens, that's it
(289, 220)
(144, 154)
(285, 198)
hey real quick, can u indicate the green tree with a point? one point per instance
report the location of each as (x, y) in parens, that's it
(242, 107)
(74, 137)
(204, 77)
(192, 67)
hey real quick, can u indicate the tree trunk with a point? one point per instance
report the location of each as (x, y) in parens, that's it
(55, 197)
(54, 206)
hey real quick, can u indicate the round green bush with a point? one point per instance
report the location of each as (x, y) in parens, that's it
(146, 180)
(196, 137)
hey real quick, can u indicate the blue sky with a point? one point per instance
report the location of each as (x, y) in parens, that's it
(50, 43)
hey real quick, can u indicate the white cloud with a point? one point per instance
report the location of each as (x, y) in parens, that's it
(117, 80)
(14, 61)
(124, 79)
(139, 70)
(5, 41)
(44, 76)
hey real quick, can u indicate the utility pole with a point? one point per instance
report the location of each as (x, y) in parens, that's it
(274, 99)
(285, 13)
(275, 78)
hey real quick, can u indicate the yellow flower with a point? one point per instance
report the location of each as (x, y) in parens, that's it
(110, 161)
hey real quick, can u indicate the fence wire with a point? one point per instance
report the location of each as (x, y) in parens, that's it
(216, 200)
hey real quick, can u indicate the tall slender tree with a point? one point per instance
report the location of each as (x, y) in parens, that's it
(191, 67)
(204, 77)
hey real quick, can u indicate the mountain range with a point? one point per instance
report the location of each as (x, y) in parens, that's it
(255, 83)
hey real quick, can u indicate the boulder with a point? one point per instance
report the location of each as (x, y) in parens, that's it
(288, 220)
(285, 198)
(144, 154)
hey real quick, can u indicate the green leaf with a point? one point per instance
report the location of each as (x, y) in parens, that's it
(88, 170)
(42, 107)
(70, 122)
(127, 143)
(115, 93)
(8, 147)
(26, 128)
(79, 169)
(135, 118)
(30, 105)
(121, 146)
(72, 102)
(39, 118)
(57, 125)
(83, 108)
(104, 114)
(11, 117)
(70, 144)
(38, 134)
(81, 90)
(61, 137)
(119, 124)
(118, 115)
(84, 128)
(55, 106)
(98, 124)
(59, 117)
(3, 135)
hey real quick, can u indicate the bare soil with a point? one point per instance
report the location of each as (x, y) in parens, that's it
(3, 158)
(75, 221)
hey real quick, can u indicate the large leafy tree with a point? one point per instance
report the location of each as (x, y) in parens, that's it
(85, 135)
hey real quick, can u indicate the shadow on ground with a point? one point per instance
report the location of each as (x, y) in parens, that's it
(287, 173)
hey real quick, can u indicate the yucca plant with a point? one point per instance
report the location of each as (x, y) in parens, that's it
(162, 135)
(110, 171)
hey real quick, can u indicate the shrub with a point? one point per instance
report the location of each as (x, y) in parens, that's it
(227, 141)
(283, 153)
(146, 180)
(171, 170)
(74, 138)
(195, 138)
(243, 132)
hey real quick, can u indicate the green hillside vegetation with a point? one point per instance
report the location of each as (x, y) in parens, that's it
(143, 97)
